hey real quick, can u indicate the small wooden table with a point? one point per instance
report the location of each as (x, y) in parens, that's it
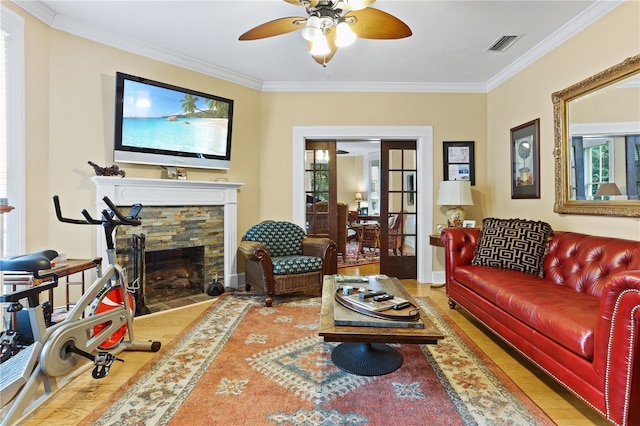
(434, 240)
(364, 351)
(369, 218)
(67, 268)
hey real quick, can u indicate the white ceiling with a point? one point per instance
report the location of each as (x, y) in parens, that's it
(445, 53)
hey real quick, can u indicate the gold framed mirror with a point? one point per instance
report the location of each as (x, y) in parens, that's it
(597, 143)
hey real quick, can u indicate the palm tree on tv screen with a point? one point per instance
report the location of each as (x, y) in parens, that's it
(189, 104)
(217, 109)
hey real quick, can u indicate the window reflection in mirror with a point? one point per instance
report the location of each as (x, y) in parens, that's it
(604, 138)
(596, 160)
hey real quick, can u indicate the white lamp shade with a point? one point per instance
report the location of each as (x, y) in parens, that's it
(344, 35)
(320, 47)
(312, 30)
(455, 193)
(608, 189)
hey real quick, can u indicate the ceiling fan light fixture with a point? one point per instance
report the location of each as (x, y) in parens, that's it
(312, 30)
(344, 35)
(320, 47)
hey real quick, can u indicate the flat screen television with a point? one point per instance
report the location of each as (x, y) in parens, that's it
(157, 123)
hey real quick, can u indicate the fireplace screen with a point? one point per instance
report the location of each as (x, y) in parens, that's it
(173, 274)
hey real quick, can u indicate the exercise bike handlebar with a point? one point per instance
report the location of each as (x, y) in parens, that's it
(130, 219)
(107, 218)
(56, 204)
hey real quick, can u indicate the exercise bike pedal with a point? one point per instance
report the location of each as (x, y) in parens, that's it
(103, 363)
(16, 371)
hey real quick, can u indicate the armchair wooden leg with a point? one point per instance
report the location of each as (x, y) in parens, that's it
(247, 287)
(268, 301)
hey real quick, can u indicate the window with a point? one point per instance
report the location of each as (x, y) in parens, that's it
(374, 186)
(598, 164)
(12, 136)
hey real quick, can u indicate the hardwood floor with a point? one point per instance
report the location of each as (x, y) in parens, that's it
(83, 394)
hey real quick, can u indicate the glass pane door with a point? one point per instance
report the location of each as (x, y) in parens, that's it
(398, 209)
(320, 188)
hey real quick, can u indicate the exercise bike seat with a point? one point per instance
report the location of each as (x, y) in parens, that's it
(32, 262)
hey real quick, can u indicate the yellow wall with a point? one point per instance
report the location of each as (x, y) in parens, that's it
(527, 96)
(350, 179)
(70, 101)
(454, 117)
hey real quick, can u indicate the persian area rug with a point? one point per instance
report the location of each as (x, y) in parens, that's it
(244, 364)
(353, 259)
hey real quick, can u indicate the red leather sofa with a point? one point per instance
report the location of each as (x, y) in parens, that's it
(580, 322)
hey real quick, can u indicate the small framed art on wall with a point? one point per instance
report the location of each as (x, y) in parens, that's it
(525, 160)
(459, 162)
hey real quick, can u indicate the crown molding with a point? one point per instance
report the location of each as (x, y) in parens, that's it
(37, 9)
(577, 24)
(81, 29)
(406, 87)
(63, 23)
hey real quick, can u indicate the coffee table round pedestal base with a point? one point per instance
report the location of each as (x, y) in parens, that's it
(366, 359)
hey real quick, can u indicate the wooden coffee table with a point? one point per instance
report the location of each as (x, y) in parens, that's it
(364, 351)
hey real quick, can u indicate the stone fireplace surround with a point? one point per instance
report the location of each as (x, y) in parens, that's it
(167, 192)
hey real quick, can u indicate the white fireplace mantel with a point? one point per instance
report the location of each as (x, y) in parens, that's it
(168, 192)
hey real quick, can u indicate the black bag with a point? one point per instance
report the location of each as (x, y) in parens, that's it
(215, 288)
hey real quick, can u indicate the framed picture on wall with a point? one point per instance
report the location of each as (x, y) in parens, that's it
(525, 160)
(459, 161)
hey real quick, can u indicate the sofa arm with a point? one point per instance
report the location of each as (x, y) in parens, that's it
(617, 346)
(324, 248)
(459, 247)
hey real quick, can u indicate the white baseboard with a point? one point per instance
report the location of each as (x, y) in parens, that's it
(237, 281)
(438, 277)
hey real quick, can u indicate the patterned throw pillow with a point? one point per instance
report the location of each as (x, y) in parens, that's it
(516, 244)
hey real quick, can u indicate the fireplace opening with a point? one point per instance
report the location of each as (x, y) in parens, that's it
(173, 273)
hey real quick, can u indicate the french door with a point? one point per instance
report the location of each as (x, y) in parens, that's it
(398, 209)
(321, 189)
(398, 201)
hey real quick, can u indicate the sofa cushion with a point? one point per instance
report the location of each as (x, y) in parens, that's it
(516, 244)
(563, 315)
(286, 265)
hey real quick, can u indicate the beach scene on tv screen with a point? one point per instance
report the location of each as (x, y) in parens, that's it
(160, 118)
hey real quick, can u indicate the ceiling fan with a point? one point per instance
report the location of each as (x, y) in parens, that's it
(332, 24)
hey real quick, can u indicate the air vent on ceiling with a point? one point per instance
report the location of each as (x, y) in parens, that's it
(502, 43)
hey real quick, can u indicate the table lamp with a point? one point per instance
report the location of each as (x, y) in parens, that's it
(608, 189)
(358, 199)
(455, 193)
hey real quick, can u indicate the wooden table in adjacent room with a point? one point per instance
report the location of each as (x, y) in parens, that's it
(364, 351)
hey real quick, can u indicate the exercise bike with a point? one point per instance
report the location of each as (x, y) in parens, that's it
(98, 327)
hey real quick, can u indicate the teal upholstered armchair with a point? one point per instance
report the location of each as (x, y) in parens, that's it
(282, 259)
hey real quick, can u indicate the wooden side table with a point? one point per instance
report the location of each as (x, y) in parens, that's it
(65, 270)
(434, 240)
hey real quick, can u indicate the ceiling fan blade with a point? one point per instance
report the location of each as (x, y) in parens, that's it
(274, 28)
(331, 40)
(353, 4)
(376, 24)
